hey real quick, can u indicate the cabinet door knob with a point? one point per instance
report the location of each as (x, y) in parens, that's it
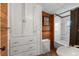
(3, 48)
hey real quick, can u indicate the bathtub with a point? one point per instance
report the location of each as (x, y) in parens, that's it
(67, 51)
(58, 43)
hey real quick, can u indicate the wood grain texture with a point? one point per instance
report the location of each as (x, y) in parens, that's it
(50, 33)
(3, 31)
(45, 32)
(74, 33)
(45, 14)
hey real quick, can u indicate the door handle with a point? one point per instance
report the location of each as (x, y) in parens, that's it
(4, 28)
(3, 48)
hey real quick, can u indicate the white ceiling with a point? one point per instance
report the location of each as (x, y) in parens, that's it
(58, 7)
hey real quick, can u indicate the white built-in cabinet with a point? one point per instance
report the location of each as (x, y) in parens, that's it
(25, 21)
(22, 19)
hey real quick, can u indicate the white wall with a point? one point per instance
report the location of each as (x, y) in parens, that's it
(57, 28)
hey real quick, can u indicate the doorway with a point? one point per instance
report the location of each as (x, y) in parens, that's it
(48, 28)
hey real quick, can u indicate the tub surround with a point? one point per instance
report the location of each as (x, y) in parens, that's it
(62, 30)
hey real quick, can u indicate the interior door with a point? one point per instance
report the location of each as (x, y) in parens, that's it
(3, 29)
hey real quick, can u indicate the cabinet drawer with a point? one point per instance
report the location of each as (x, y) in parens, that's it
(29, 53)
(21, 41)
(21, 49)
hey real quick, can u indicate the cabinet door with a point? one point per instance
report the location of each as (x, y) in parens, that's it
(28, 21)
(15, 19)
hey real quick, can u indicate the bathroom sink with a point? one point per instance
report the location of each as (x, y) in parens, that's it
(67, 51)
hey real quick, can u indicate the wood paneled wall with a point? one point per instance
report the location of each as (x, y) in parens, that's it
(74, 28)
(3, 28)
(45, 33)
(51, 32)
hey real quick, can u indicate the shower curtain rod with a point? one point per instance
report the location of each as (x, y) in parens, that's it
(62, 16)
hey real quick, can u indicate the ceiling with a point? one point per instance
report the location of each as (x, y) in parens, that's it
(58, 7)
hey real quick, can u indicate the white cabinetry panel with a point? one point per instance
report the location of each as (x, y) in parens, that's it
(22, 49)
(26, 29)
(28, 24)
(38, 27)
(21, 41)
(15, 19)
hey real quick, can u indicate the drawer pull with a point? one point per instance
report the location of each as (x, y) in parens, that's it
(16, 42)
(30, 54)
(30, 47)
(15, 50)
(30, 40)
